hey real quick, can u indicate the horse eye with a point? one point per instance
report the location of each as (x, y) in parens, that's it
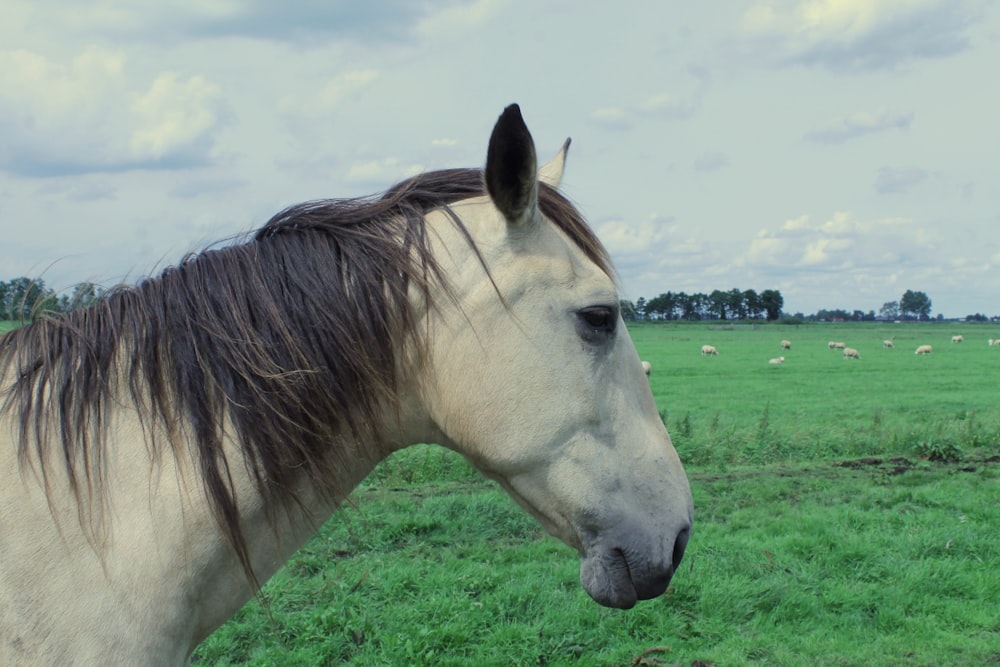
(598, 318)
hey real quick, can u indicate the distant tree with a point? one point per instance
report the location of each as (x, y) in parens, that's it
(753, 304)
(889, 311)
(692, 306)
(627, 309)
(640, 308)
(21, 296)
(915, 304)
(718, 304)
(84, 294)
(737, 309)
(772, 302)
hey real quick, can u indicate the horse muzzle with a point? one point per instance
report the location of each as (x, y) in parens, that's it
(618, 573)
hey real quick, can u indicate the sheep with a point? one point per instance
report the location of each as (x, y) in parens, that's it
(840, 346)
(709, 350)
(887, 343)
(851, 353)
(777, 360)
(647, 368)
(786, 345)
(924, 349)
(957, 339)
(992, 342)
(832, 344)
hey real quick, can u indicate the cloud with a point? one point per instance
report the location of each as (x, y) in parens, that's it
(857, 35)
(859, 124)
(381, 172)
(892, 180)
(302, 24)
(612, 118)
(841, 242)
(84, 116)
(712, 161)
(660, 104)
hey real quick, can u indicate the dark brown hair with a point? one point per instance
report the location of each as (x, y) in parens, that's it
(287, 336)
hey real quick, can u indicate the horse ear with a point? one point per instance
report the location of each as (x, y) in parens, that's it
(552, 172)
(512, 168)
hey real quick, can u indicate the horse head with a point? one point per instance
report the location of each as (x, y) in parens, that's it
(531, 374)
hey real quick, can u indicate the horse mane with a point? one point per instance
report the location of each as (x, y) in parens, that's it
(286, 336)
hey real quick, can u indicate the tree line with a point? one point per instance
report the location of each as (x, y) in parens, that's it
(23, 298)
(734, 304)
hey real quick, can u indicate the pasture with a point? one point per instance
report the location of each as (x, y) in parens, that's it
(845, 514)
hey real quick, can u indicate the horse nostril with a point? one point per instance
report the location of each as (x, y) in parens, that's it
(680, 544)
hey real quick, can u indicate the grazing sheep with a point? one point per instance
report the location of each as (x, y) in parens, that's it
(957, 339)
(887, 343)
(992, 342)
(840, 346)
(647, 368)
(709, 350)
(786, 345)
(832, 344)
(924, 349)
(777, 360)
(851, 353)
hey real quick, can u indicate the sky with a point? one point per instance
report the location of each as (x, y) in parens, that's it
(839, 151)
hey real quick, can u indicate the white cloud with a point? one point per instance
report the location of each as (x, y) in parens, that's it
(857, 35)
(859, 124)
(890, 180)
(85, 115)
(612, 118)
(711, 161)
(175, 118)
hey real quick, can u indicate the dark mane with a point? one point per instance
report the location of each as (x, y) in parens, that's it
(286, 336)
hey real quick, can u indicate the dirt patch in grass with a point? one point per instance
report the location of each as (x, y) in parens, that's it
(898, 465)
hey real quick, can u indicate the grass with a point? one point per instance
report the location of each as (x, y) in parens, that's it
(846, 514)
(819, 563)
(737, 408)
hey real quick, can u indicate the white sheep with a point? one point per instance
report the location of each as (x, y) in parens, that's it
(777, 360)
(851, 353)
(709, 350)
(832, 344)
(957, 339)
(647, 368)
(786, 345)
(887, 343)
(924, 349)
(840, 346)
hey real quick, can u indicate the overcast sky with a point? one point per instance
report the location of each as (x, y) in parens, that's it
(840, 151)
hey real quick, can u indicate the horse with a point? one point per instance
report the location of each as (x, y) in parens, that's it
(167, 448)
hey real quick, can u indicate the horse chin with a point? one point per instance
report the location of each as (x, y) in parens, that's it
(608, 579)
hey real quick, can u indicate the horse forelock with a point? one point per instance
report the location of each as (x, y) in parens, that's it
(289, 337)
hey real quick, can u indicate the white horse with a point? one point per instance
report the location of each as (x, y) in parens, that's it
(166, 450)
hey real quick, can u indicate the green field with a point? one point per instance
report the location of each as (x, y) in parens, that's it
(846, 513)
(737, 407)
